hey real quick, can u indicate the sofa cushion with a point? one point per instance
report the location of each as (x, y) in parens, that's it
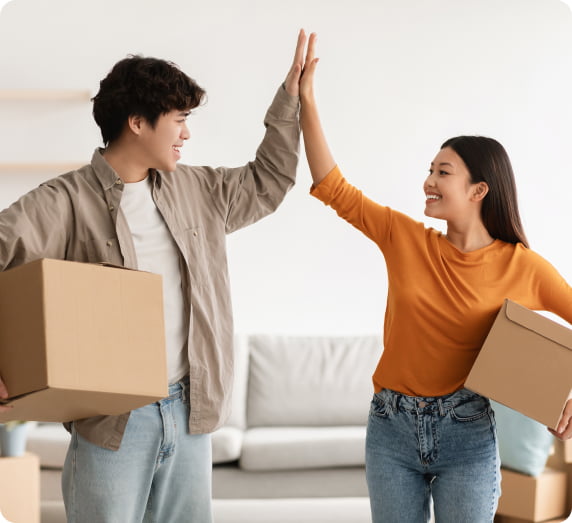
(49, 441)
(310, 381)
(226, 444)
(524, 444)
(283, 448)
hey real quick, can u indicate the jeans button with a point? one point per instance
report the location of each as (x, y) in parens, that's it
(422, 404)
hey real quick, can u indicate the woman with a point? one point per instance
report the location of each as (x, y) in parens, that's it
(427, 435)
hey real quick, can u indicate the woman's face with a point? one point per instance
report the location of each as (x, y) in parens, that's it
(448, 188)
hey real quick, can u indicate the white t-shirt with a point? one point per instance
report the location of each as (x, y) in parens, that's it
(157, 253)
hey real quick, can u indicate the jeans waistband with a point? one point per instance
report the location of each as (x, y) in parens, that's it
(427, 403)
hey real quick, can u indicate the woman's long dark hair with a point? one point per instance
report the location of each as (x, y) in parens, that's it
(487, 161)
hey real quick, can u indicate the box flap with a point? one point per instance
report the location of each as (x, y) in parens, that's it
(540, 324)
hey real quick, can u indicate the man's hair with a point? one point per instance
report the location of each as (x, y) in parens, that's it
(142, 86)
(487, 161)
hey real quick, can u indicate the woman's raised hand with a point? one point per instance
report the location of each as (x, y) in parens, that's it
(307, 76)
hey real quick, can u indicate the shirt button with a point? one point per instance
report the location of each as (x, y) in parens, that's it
(195, 233)
(109, 243)
(118, 181)
(111, 208)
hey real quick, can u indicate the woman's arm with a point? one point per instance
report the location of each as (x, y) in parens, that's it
(318, 154)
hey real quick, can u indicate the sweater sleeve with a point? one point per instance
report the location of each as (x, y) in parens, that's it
(554, 292)
(371, 218)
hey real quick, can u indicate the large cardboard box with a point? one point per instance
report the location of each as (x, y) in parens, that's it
(20, 488)
(525, 364)
(80, 340)
(533, 498)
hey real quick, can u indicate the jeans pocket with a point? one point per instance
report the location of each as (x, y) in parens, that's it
(379, 408)
(471, 408)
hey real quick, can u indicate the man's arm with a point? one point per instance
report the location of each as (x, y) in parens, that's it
(35, 226)
(248, 193)
(31, 228)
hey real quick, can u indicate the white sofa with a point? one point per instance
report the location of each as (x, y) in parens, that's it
(294, 441)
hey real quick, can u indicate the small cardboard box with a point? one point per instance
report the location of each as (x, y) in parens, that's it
(80, 340)
(20, 488)
(525, 364)
(508, 519)
(568, 451)
(533, 498)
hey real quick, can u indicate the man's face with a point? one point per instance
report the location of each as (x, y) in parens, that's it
(163, 142)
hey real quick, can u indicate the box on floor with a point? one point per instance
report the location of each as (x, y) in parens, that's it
(561, 459)
(20, 488)
(508, 519)
(532, 498)
(80, 340)
(526, 364)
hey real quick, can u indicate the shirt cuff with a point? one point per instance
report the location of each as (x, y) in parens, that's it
(325, 189)
(284, 106)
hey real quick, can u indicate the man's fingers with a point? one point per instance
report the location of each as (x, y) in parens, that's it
(300, 45)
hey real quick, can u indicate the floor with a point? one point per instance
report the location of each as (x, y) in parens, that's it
(323, 510)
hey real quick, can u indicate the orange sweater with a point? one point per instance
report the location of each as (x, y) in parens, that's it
(441, 302)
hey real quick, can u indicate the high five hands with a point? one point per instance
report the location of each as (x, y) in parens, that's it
(300, 78)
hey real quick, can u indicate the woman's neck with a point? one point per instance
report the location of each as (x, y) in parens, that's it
(469, 240)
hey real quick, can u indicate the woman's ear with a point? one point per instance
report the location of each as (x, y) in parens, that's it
(480, 190)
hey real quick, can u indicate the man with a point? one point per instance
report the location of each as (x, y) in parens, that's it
(134, 206)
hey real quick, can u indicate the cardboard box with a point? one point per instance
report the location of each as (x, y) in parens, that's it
(525, 364)
(80, 340)
(568, 451)
(507, 519)
(20, 488)
(558, 460)
(533, 498)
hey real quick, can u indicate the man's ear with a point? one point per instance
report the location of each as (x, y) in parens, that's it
(135, 124)
(480, 190)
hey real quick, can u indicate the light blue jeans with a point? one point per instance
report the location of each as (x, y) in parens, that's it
(160, 473)
(441, 447)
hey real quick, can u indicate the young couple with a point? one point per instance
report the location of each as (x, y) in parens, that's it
(135, 205)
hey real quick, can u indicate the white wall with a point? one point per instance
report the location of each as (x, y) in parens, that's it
(395, 80)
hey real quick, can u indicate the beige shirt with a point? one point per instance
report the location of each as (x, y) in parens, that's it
(77, 216)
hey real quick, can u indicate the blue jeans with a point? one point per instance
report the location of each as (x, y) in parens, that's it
(160, 473)
(441, 447)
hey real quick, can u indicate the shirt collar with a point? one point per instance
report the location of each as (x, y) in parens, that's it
(107, 175)
(104, 172)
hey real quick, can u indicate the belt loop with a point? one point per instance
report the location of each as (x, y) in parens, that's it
(395, 401)
(441, 408)
(185, 390)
